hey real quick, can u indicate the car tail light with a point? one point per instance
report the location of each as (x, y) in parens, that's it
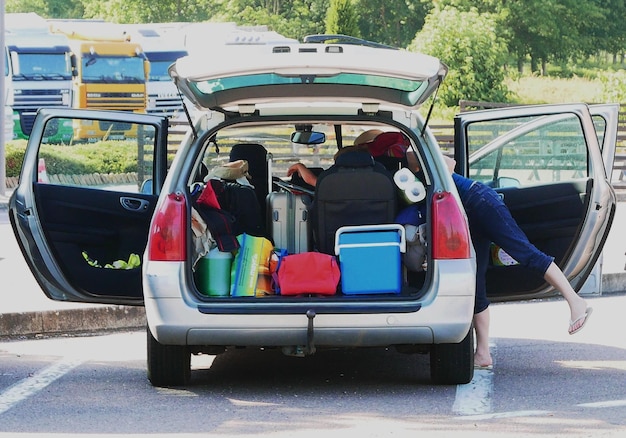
(451, 237)
(168, 235)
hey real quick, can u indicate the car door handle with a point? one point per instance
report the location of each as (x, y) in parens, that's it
(134, 204)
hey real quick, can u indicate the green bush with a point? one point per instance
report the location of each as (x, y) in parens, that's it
(613, 86)
(104, 157)
(14, 156)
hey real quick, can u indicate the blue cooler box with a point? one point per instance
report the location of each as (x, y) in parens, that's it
(369, 258)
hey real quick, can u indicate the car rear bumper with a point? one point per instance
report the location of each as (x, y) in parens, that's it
(441, 315)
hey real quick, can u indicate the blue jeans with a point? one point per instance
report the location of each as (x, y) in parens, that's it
(490, 221)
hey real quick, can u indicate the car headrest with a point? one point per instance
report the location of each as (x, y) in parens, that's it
(354, 158)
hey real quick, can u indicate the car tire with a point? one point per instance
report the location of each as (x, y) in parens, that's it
(453, 364)
(168, 365)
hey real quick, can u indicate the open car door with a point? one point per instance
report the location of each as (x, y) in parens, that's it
(549, 163)
(83, 231)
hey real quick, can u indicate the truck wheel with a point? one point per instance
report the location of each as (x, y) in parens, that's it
(453, 364)
(168, 365)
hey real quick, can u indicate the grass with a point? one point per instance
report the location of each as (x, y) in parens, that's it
(537, 90)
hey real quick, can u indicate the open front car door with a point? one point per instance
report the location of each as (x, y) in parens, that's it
(82, 226)
(546, 161)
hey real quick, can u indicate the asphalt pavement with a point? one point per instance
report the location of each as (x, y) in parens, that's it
(26, 312)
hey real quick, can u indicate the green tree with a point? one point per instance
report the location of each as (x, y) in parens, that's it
(39, 7)
(293, 19)
(469, 44)
(481, 6)
(342, 18)
(149, 11)
(47, 9)
(392, 22)
(609, 33)
(553, 30)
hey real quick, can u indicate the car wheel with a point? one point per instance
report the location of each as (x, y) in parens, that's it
(168, 365)
(453, 364)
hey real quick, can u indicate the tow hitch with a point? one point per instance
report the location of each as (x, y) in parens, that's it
(309, 348)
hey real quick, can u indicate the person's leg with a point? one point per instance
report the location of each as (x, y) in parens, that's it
(513, 240)
(473, 203)
(495, 221)
(577, 305)
(482, 355)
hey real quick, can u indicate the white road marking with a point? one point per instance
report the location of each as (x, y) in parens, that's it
(29, 386)
(604, 404)
(475, 397)
(511, 414)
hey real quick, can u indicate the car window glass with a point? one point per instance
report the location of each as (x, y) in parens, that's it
(528, 150)
(276, 139)
(95, 153)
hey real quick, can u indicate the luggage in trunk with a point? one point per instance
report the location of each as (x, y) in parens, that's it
(288, 222)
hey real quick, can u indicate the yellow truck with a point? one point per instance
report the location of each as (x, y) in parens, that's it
(109, 73)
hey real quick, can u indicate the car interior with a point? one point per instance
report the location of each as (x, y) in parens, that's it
(354, 189)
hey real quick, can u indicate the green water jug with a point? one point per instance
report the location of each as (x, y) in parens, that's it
(213, 273)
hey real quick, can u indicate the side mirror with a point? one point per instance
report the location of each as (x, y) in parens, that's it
(505, 181)
(146, 187)
(73, 65)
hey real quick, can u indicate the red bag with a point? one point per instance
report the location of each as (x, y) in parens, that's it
(308, 273)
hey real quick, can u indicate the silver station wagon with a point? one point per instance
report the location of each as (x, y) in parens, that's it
(194, 216)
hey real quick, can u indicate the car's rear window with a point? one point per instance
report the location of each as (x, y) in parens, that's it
(412, 88)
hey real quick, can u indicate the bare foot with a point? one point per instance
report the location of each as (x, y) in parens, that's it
(482, 360)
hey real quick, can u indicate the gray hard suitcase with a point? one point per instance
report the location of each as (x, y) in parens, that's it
(288, 220)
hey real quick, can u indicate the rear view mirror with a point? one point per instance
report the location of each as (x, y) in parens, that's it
(308, 137)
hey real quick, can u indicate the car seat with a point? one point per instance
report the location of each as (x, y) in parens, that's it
(257, 157)
(356, 190)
